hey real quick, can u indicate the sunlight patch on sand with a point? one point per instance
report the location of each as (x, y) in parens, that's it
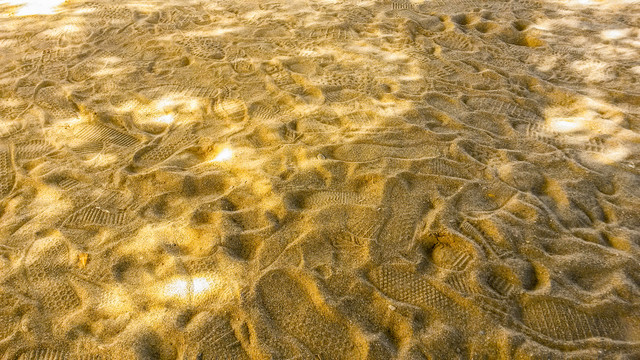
(550, 24)
(166, 119)
(614, 34)
(200, 284)
(596, 3)
(182, 289)
(102, 160)
(179, 287)
(7, 43)
(60, 30)
(614, 155)
(114, 301)
(565, 125)
(36, 7)
(224, 155)
(165, 103)
(173, 101)
(592, 70)
(108, 72)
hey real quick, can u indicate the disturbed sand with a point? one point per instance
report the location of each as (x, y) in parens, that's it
(447, 179)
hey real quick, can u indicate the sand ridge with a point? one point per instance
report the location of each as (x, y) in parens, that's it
(386, 179)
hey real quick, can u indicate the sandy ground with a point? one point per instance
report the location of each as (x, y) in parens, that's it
(448, 179)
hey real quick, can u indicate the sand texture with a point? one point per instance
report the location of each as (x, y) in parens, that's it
(447, 179)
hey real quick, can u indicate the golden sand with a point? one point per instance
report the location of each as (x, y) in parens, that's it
(447, 179)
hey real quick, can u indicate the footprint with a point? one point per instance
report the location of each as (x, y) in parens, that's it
(366, 152)
(53, 71)
(468, 150)
(33, 149)
(94, 215)
(450, 257)
(44, 353)
(443, 167)
(540, 133)
(332, 33)
(61, 180)
(10, 128)
(321, 199)
(108, 210)
(563, 320)
(55, 102)
(455, 41)
(500, 105)
(84, 70)
(9, 322)
(493, 123)
(180, 90)
(47, 262)
(461, 282)
(232, 110)
(366, 222)
(491, 249)
(101, 133)
(501, 285)
(242, 65)
(204, 47)
(301, 312)
(263, 110)
(407, 206)
(163, 149)
(212, 337)
(11, 108)
(7, 173)
(402, 5)
(522, 175)
(405, 285)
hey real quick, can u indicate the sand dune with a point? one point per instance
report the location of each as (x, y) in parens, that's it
(320, 180)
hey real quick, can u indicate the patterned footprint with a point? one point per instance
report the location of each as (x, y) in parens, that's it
(7, 173)
(301, 313)
(212, 337)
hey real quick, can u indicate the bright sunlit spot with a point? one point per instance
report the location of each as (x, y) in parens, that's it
(614, 34)
(182, 288)
(617, 154)
(565, 125)
(165, 103)
(64, 29)
(166, 119)
(223, 155)
(192, 104)
(200, 284)
(36, 7)
(592, 70)
(177, 288)
(613, 155)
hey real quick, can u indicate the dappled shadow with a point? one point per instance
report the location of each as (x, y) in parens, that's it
(354, 179)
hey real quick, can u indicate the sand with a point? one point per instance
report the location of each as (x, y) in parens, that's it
(447, 179)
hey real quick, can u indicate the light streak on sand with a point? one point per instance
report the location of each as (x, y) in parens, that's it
(36, 7)
(166, 119)
(565, 125)
(181, 289)
(165, 103)
(224, 155)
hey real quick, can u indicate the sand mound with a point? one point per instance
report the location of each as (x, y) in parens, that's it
(320, 180)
